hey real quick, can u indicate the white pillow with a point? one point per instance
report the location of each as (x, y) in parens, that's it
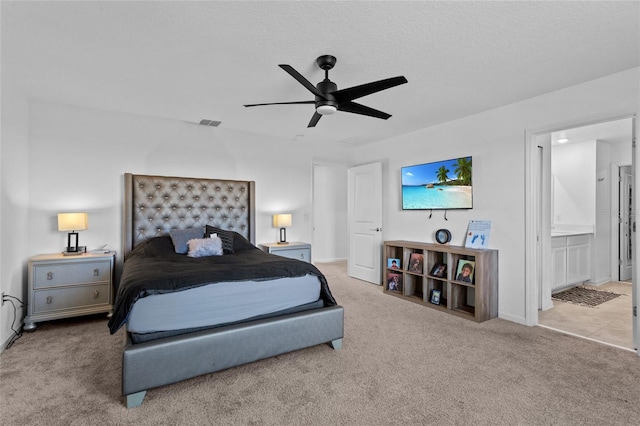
(200, 247)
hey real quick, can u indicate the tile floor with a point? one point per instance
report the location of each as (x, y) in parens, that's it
(609, 322)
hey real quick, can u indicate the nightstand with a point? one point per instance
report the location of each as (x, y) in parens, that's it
(300, 251)
(68, 286)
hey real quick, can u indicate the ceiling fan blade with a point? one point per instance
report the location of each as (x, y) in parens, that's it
(282, 103)
(356, 108)
(314, 120)
(355, 92)
(306, 83)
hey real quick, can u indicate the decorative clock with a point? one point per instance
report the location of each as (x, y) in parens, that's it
(443, 236)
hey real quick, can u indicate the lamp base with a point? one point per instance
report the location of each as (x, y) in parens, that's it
(72, 253)
(283, 236)
(283, 242)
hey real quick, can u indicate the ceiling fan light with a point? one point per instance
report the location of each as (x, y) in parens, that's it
(326, 109)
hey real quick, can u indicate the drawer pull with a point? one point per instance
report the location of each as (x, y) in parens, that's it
(96, 272)
(49, 275)
(96, 294)
(49, 300)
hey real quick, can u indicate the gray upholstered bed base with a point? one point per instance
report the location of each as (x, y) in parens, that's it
(165, 361)
(154, 205)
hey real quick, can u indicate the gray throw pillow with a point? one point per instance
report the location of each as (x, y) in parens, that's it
(180, 238)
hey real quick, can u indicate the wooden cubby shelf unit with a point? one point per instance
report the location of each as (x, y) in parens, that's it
(412, 279)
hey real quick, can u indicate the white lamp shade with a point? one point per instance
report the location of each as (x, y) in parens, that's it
(281, 220)
(72, 221)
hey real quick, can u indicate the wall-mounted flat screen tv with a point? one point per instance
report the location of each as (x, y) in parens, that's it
(439, 185)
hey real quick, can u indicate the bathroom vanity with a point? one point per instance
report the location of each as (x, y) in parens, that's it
(570, 259)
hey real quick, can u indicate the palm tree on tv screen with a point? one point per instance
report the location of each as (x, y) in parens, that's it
(463, 171)
(442, 174)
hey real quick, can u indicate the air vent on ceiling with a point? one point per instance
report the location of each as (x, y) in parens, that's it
(213, 123)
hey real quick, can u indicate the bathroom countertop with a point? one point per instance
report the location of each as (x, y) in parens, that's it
(568, 233)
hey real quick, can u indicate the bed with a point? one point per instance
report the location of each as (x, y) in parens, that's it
(166, 340)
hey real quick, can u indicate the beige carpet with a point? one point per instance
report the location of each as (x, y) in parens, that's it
(401, 363)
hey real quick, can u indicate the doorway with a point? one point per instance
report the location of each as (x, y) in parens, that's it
(625, 224)
(613, 231)
(329, 196)
(365, 222)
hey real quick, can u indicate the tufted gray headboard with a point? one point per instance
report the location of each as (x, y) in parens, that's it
(154, 205)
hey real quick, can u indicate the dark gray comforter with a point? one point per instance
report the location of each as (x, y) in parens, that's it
(154, 268)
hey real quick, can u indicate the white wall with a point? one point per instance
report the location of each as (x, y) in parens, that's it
(14, 203)
(573, 171)
(496, 140)
(78, 156)
(330, 212)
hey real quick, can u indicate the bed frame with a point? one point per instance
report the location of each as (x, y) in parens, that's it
(154, 205)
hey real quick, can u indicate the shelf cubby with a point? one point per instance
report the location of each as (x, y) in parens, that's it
(413, 286)
(472, 295)
(439, 285)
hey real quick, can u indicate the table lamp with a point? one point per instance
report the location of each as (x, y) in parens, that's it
(72, 222)
(282, 221)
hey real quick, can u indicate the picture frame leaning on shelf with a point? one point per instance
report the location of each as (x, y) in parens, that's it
(435, 297)
(439, 270)
(394, 263)
(394, 281)
(416, 261)
(465, 271)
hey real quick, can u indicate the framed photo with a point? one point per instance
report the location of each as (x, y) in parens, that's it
(394, 263)
(439, 270)
(394, 281)
(435, 297)
(466, 269)
(415, 262)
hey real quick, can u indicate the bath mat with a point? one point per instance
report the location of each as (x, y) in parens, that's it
(584, 296)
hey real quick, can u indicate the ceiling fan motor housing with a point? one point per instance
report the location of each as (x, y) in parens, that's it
(326, 87)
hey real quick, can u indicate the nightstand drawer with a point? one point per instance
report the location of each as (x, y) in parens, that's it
(73, 297)
(294, 250)
(53, 275)
(300, 254)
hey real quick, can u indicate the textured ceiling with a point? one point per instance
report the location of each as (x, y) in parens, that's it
(192, 60)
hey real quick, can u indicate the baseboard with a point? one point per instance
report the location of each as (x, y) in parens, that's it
(340, 259)
(600, 281)
(512, 318)
(6, 342)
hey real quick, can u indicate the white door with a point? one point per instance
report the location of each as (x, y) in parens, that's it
(365, 222)
(625, 253)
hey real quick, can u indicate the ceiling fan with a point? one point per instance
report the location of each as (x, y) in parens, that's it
(328, 99)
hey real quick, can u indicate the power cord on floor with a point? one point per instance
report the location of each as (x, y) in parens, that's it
(16, 333)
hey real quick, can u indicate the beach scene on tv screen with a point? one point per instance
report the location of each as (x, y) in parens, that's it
(439, 185)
